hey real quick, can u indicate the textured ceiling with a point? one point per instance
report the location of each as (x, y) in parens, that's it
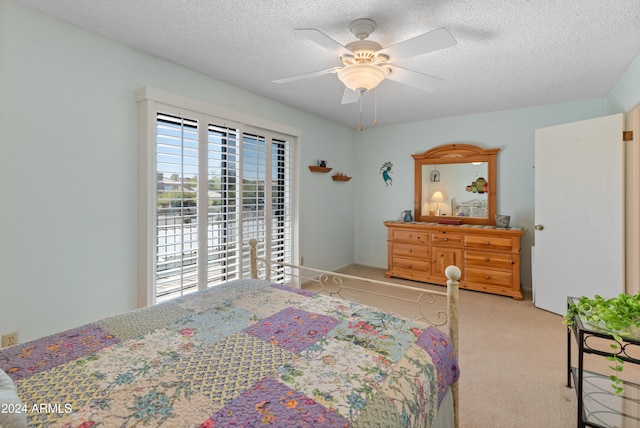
(509, 54)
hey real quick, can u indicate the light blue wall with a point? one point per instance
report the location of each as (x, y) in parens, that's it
(68, 171)
(626, 92)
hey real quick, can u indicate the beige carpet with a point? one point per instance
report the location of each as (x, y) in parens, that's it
(512, 358)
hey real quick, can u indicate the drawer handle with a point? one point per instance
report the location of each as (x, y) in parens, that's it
(486, 243)
(487, 277)
(410, 236)
(445, 239)
(409, 250)
(487, 259)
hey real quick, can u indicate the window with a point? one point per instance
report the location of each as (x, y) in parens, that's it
(215, 186)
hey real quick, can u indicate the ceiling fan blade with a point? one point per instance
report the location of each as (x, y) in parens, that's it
(413, 78)
(308, 75)
(323, 40)
(427, 42)
(349, 96)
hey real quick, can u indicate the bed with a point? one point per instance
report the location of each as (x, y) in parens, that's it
(247, 353)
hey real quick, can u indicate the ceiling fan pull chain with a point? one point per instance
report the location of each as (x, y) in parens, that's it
(360, 128)
(375, 106)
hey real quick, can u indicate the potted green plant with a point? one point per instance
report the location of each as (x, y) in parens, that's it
(618, 316)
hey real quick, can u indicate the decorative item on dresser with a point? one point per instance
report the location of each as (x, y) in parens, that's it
(406, 216)
(488, 257)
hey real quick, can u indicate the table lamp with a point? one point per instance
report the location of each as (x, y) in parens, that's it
(437, 198)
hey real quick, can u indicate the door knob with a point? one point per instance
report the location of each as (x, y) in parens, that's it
(538, 227)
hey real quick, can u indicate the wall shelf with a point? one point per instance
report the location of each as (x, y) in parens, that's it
(341, 178)
(314, 168)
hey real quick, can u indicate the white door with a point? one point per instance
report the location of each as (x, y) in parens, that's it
(579, 212)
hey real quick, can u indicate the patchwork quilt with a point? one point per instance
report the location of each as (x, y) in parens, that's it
(244, 354)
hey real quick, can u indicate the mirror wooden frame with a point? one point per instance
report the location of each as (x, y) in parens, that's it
(456, 153)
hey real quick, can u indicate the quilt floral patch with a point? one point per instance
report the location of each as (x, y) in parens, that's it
(439, 347)
(322, 375)
(380, 332)
(22, 361)
(412, 389)
(271, 403)
(293, 329)
(218, 322)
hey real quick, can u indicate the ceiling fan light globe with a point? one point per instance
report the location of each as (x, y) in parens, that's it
(361, 77)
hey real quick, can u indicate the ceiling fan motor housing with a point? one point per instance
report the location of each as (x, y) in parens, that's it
(365, 53)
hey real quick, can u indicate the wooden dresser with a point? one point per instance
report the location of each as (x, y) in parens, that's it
(488, 257)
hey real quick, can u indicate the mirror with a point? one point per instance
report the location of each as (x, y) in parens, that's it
(456, 182)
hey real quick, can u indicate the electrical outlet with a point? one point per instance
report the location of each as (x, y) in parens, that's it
(9, 339)
(302, 261)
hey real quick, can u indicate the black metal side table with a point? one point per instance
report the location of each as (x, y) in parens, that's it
(598, 405)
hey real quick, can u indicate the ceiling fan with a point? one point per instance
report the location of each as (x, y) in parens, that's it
(366, 63)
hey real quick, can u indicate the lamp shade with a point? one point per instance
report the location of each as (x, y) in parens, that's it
(361, 77)
(437, 197)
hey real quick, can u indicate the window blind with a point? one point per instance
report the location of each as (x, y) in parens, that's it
(224, 228)
(176, 205)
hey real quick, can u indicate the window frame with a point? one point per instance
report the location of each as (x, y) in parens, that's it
(152, 101)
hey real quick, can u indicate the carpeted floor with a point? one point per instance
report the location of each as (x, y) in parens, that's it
(512, 358)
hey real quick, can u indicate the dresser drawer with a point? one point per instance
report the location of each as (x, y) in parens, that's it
(410, 236)
(488, 243)
(411, 251)
(400, 264)
(444, 239)
(488, 277)
(502, 261)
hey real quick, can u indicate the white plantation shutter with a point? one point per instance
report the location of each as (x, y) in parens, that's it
(254, 170)
(176, 205)
(216, 188)
(223, 238)
(282, 173)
